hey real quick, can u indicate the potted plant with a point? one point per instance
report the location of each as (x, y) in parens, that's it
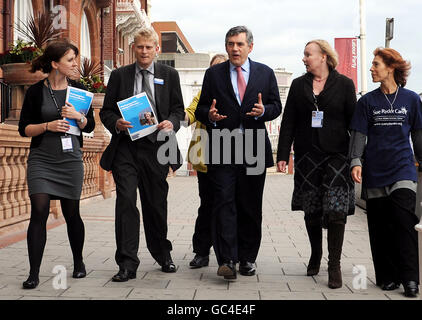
(16, 62)
(90, 72)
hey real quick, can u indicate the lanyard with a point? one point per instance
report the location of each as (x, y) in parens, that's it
(59, 111)
(315, 101)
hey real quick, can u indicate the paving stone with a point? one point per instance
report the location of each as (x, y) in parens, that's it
(355, 296)
(210, 294)
(165, 294)
(279, 295)
(97, 292)
(281, 262)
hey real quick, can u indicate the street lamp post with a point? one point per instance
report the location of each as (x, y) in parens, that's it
(362, 37)
(389, 30)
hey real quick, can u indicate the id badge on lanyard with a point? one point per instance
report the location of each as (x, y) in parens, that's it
(67, 145)
(317, 119)
(317, 116)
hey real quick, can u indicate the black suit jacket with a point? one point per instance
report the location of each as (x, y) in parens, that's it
(217, 85)
(168, 103)
(337, 100)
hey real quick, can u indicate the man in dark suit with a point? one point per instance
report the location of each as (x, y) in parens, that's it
(135, 164)
(238, 97)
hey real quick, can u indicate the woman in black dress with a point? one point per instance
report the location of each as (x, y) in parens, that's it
(318, 111)
(55, 166)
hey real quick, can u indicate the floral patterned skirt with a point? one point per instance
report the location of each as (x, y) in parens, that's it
(323, 187)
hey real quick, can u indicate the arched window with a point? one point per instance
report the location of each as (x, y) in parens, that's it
(22, 11)
(85, 49)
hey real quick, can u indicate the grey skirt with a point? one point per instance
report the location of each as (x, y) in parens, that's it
(52, 171)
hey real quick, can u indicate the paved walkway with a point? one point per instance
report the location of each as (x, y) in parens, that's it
(281, 262)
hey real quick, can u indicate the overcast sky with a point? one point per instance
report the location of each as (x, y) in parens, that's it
(281, 28)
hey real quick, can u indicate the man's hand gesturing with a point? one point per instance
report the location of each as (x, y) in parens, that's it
(213, 113)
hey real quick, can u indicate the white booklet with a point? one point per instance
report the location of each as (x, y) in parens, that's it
(81, 100)
(138, 111)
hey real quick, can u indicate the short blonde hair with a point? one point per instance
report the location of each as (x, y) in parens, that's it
(332, 56)
(146, 33)
(220, 57)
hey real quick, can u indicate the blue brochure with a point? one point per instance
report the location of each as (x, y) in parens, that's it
(137, 110)
(81, 100)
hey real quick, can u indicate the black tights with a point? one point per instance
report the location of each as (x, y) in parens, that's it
(37, 233)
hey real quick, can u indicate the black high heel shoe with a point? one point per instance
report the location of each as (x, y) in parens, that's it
(31, 283)
(79, 272)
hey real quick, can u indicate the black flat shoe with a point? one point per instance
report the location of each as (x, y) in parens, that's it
(168, 267)
(227, 270)
(123, 276)
(199, 261)
(411, 289)
(389, 286)
(31, 283)
(79, 272)
(247, 268)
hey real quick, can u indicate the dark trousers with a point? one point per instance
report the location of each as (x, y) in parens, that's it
(201, 239)
(135, 166)
(393, 238)
(236, 213)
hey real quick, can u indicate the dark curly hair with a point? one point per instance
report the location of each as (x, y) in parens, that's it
(54, 52)
(393, 59)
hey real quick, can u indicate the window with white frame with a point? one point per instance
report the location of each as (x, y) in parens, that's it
(22, 12)
(85, 49)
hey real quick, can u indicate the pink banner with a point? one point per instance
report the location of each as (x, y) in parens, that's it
(347, 49)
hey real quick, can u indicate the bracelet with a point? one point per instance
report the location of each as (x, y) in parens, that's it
(46, 126)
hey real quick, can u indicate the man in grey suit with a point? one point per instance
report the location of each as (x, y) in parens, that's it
(135, 164)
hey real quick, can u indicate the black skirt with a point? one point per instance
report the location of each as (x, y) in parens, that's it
(323, 187)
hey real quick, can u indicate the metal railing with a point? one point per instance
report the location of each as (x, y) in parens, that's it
(6, 100)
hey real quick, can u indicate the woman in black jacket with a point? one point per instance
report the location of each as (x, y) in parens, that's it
(318, 111)
(55, 166)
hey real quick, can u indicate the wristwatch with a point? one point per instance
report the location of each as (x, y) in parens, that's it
(82, 120)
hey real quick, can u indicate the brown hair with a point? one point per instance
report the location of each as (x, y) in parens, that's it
(54, 51)
(393, 59)
(332, 56)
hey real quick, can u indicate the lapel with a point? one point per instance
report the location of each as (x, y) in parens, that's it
(228, 81)
(158, 88)
(251, 81)
(130, 80)
(331, 81)
(308, 88)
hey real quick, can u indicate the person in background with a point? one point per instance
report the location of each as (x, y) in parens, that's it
(55, 167)
(382, 160)
(201, 239)
(319, 108)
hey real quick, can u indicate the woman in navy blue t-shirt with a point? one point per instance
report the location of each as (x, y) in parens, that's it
(382, 159)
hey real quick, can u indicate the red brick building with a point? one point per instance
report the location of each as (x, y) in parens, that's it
(85, 23)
